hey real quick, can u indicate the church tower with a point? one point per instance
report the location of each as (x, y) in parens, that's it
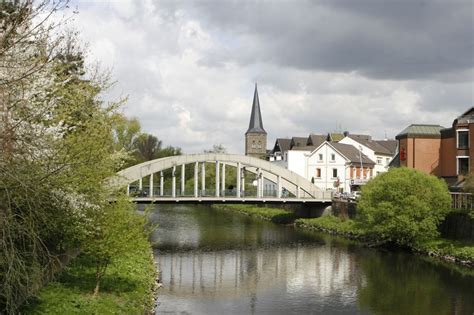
(256, 136)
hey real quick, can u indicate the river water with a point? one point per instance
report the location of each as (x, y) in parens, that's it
(219, 262)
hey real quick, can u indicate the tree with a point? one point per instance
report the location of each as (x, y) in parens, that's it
(147, 147)
(126, 131)
(404, 206)
(217, 148)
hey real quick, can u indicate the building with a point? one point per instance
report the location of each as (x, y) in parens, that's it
(380, 151)
(256, 136)
(332, 166)
(435, 150)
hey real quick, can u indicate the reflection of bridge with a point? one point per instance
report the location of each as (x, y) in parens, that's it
(288, 186)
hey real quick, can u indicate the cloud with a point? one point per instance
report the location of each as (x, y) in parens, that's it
(189, 67)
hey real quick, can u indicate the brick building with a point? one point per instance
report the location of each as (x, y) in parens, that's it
(444, 152)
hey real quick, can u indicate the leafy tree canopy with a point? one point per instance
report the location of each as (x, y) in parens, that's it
(404, 206)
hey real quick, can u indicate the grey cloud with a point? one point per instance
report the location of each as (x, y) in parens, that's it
(379, 39)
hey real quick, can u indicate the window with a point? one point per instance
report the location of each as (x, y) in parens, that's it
(318, 173)
(463, 139)
(379, 161)
(259, 146)
(254, 145)
(334, 172)
(333, 157)
(320, 157)
(463, 165)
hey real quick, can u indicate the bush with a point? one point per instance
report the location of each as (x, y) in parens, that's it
(404, 206)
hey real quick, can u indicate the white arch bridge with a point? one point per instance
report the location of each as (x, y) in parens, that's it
(272, 182)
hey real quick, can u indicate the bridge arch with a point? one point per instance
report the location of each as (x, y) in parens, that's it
(283, 178)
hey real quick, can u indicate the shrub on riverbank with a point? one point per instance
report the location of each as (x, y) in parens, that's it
(275, 215)
(404, 206)
(126, 288)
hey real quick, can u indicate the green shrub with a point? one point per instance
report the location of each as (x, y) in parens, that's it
(404, 206)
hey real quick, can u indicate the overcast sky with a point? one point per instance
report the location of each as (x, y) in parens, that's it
(367, 66)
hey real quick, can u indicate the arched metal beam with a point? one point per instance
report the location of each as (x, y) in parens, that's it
(136, 172)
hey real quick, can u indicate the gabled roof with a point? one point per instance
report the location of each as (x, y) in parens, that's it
(390, 145)
(256, 124)
(309, 148)
(378, 146)
(421, 131)
(298, 142)
(466, 118)
(315, 140)
(281, 145)
(351, 153)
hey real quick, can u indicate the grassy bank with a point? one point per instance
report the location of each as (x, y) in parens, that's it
(270, 214)
(127, 288)
(450, 250)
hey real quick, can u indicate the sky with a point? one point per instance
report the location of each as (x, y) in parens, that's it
(374, 67)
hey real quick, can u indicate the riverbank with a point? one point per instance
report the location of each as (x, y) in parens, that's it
(129, 286)
(275, 215)
(445, 249)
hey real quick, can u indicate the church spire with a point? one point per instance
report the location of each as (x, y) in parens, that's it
(256, 124)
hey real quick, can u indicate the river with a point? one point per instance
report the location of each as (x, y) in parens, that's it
(220, 262)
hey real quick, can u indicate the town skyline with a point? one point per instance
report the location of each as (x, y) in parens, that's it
(189, 68)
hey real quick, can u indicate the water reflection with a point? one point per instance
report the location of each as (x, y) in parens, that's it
(224, 263)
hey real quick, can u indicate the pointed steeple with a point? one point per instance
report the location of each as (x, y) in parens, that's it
(256, 124)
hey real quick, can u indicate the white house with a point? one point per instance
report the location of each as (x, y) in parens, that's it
(332, 166)
(380, 151)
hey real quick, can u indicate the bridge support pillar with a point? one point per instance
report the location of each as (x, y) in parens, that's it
(196, 175)
(278, 187)
(161, 184)
(140, 184)
(162, 181)
(243, 182)
(151, 185)
(259, 192)
(173, 183)
(239, 177)
(217, 178)
(298, 192)
(223, 180)
(183, 178)
(203, 178)
(128, 190)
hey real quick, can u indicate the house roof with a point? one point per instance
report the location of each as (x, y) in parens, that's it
(315, 140)
(375, 145)
(421, 131)
(298, 142)
(351, 153)
(304, 148)
(466, 118)
(256, 124)
(283, 145)
(390, 145)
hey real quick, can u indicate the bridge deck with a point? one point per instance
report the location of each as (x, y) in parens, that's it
(226, 200)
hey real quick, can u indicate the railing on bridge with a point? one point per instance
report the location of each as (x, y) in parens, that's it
(462, 200)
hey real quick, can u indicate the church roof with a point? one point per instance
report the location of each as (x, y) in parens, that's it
(256, 124)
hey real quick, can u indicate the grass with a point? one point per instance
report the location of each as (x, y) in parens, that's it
(275, 215)
(334, 225)
(127, 288)
(459, 251)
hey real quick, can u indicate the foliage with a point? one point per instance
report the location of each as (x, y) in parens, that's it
(404, 206)
(459, 250)
(147, 147)
(271, 214)
(334, 225)
(56, 150)
(127, 287)
(217, 148)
